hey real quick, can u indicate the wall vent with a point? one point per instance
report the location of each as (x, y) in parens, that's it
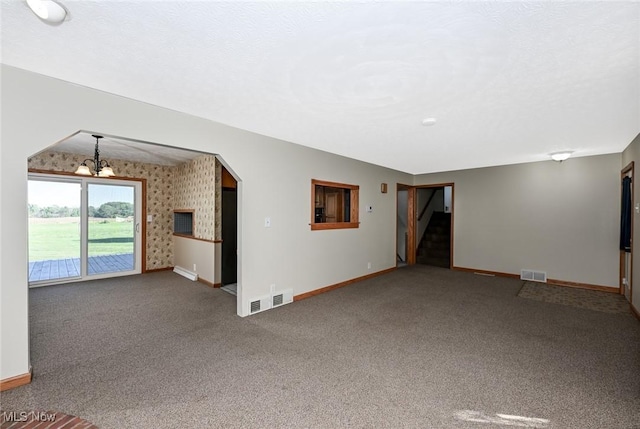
(533, 276)
(259, 305)
(277, 300)
(281, 298)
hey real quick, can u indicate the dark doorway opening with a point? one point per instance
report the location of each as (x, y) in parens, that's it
(229, 267)
(433, 225)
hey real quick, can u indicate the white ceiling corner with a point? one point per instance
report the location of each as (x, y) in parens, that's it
(508, 82)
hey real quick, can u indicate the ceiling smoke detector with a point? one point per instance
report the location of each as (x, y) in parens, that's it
(48, 10)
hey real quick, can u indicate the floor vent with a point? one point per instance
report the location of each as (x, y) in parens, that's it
(533, 276)
(255, 306)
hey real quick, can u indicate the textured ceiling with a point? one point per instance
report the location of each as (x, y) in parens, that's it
(115, 148)
(508, 82)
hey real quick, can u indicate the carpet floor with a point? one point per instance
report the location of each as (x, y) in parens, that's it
(581, 298)
(420, 347)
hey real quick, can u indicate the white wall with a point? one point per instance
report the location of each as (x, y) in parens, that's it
(632, 154)
(189, 252)
(447, 199)
(562, 218)
(275, 182)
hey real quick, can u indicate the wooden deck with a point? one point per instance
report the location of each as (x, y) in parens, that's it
(65, 268)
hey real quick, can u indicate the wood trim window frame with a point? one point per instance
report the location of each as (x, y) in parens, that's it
(354, 205)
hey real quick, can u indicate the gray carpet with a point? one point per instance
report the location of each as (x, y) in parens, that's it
(421, 347)
(582, 298)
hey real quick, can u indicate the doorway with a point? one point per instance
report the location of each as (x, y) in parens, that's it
(626, 232)
(402, 225)
(83, 228)
(430, 211)
(229, 220)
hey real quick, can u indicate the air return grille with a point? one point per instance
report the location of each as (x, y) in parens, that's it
(260, 304)
(277, 299)
(533, 276)
(282, 297)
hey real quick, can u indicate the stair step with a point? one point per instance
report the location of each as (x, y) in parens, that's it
(438, 262)
(436, 237)
(438, 229)
(433, 245)
(437, 253)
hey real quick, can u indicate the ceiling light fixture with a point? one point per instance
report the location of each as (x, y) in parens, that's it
(48, 10)
(561, 156)
(428, 122)
(100, 166)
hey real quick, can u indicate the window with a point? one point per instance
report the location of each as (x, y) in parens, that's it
(333, 205)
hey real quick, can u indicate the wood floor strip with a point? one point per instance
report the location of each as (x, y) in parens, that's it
(341, 284)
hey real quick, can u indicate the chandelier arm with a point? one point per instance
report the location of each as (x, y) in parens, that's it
(98, 164)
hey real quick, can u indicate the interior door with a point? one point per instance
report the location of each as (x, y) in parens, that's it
(331, 207)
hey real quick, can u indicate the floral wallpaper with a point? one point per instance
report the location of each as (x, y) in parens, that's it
(218, 219)
(160, 193)
(194, 185)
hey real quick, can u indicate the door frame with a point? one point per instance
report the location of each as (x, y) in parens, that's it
(35, 173)
(409, 243)
(624, 173)
(413, 214)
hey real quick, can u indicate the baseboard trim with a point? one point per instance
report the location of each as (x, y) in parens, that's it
(554, 282)
(341, 284)
(608, 289)
(634, 311)
(486, 272)
(156, 270)
(208, 283)
(17, 381)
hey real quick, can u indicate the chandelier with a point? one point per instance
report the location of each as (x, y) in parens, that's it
(100, 166)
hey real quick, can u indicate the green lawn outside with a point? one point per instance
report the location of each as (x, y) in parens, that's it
(50, 240)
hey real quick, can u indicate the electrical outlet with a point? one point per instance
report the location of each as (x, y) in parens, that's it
(272, 287)
(368, 265)
(267, 222)
(194, 268)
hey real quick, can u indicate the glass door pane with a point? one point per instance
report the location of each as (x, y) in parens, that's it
(110, 228)
(54, 230)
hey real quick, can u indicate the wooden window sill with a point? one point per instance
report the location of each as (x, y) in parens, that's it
(334, 225)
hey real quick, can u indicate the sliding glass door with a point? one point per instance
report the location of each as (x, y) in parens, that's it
(83, 228)
(54, 230)
(111, 228)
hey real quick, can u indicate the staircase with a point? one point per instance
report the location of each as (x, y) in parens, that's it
(435, 246)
